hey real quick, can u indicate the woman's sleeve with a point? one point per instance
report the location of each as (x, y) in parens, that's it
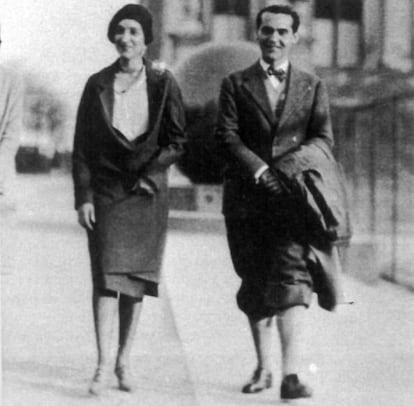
(173, 136)
(80, 163)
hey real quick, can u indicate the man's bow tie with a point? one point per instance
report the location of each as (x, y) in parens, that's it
(279, 73)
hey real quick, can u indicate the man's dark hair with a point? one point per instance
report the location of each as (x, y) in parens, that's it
(279, 9)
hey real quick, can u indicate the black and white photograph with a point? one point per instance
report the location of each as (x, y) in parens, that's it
(207, 202)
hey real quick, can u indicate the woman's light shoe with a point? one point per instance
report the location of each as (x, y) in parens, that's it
(99, 381)
(260, 381)
(125, 378)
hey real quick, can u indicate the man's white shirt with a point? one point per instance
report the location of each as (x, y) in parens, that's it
(275, 82)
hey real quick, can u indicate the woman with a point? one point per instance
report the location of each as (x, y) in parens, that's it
(129, 131)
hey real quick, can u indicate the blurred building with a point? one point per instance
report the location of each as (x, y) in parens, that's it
(367, 34)
(364, 49)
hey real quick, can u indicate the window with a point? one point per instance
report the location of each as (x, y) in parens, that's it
(230, 20)
(185, 17)
(399, 35)
(337, 32)
(235, 7)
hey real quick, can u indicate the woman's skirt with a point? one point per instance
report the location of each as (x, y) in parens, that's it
(126, 285)
(127, 243)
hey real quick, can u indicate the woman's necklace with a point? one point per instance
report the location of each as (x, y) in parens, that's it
(125, 79)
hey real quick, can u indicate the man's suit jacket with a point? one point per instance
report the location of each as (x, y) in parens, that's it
(250, 135)
(104, 161)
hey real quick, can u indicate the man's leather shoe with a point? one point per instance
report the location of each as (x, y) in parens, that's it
(261, 380)
(292, 388)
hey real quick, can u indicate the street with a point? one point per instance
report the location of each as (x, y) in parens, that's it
(193, 345)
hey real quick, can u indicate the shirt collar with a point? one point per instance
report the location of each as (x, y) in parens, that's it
(284, 65)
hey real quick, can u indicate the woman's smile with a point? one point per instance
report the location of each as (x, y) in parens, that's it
(129, 39)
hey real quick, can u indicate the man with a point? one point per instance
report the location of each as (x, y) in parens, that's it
(11, 100)
(269, 112)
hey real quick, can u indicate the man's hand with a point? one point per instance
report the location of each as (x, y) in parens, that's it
(86, 215)
(271, 183)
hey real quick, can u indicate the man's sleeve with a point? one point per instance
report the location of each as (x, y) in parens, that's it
(9, 139)
(228, 134)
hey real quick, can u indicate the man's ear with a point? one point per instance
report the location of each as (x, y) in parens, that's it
(296, 37)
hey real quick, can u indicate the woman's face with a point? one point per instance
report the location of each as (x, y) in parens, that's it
(129, 39)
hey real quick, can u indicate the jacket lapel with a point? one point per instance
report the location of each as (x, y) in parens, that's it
(106, 93)
(298, 87)
(106, 96)
(254, 84)
(155, 92)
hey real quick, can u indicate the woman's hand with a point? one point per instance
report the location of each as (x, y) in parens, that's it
(86, 215)
(146, 187)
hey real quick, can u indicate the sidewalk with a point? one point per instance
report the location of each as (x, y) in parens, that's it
(193, 346)
(47, 327)
(362, 355)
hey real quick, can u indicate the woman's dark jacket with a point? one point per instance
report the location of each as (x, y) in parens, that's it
(103, 157)
(108, 170)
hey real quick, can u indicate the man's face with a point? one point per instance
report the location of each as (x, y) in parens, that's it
(276, 37)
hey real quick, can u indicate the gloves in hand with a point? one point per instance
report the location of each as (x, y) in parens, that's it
(271, 182)
(145, 187)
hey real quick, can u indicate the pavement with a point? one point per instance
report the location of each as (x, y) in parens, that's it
(193, 345)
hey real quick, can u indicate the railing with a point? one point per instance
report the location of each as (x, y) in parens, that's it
(375, 144)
